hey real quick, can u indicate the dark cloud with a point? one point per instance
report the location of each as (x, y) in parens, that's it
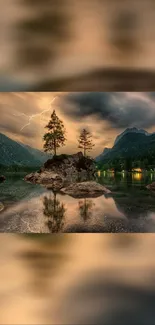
(120, 110)
(90, 129)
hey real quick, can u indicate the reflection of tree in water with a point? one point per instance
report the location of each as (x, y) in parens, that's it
(54, 211)
(85, 208)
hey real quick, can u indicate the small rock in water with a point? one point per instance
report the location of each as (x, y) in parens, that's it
(151, 186)
(85, 189)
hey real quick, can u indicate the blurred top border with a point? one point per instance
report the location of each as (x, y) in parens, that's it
(96, 80)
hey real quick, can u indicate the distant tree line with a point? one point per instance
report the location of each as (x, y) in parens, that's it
(128, 164)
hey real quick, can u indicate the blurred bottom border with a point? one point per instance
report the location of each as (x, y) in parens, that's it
(77, 279)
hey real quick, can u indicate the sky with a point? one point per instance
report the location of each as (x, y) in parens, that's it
(24, 116)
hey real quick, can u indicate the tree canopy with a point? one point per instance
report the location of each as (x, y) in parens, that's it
(85, 141)
(55, 137)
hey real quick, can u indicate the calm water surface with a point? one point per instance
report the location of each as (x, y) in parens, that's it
(32, 208)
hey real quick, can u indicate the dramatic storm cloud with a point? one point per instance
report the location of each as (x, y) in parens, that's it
(121, 110)
(105, 115)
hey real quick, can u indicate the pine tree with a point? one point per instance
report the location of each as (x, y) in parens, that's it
(55, 137)
(85, 141)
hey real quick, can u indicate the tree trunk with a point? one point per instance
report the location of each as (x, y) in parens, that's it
(55, 149)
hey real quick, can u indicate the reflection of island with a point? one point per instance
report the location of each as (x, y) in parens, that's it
(54, 211)
(85, 208)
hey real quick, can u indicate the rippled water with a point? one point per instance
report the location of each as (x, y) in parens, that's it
(32, 208)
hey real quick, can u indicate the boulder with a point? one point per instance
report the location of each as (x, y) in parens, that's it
(49, 179)
(151, 186)
(2, 178)
(56, 182)
(32, 178)
(85, 189)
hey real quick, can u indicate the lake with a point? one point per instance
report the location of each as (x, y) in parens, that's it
(30, 208)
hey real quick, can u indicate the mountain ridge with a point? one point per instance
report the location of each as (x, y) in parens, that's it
(105, 151)
(131, 130)
(134, 145)
(15, 153)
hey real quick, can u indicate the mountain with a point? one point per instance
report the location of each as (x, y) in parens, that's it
(131, 130)
(135, 145)
(102, 155)
(118, 138)
(38, 154)
(15, 153)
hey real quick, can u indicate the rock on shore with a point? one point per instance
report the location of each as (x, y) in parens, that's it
(151, 186)
(49, 179)
(85, 189)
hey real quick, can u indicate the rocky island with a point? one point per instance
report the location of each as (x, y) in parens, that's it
(72, 174)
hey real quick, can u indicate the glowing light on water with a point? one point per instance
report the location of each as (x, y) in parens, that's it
(99, 173)
(137, 176)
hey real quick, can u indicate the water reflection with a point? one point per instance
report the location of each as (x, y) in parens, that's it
(137, 176)
(54, 211)
(127, 180)
(85, 208)
(129, 208)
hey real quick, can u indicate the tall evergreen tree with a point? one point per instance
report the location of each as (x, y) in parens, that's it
(55, 137)
(85, 141)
